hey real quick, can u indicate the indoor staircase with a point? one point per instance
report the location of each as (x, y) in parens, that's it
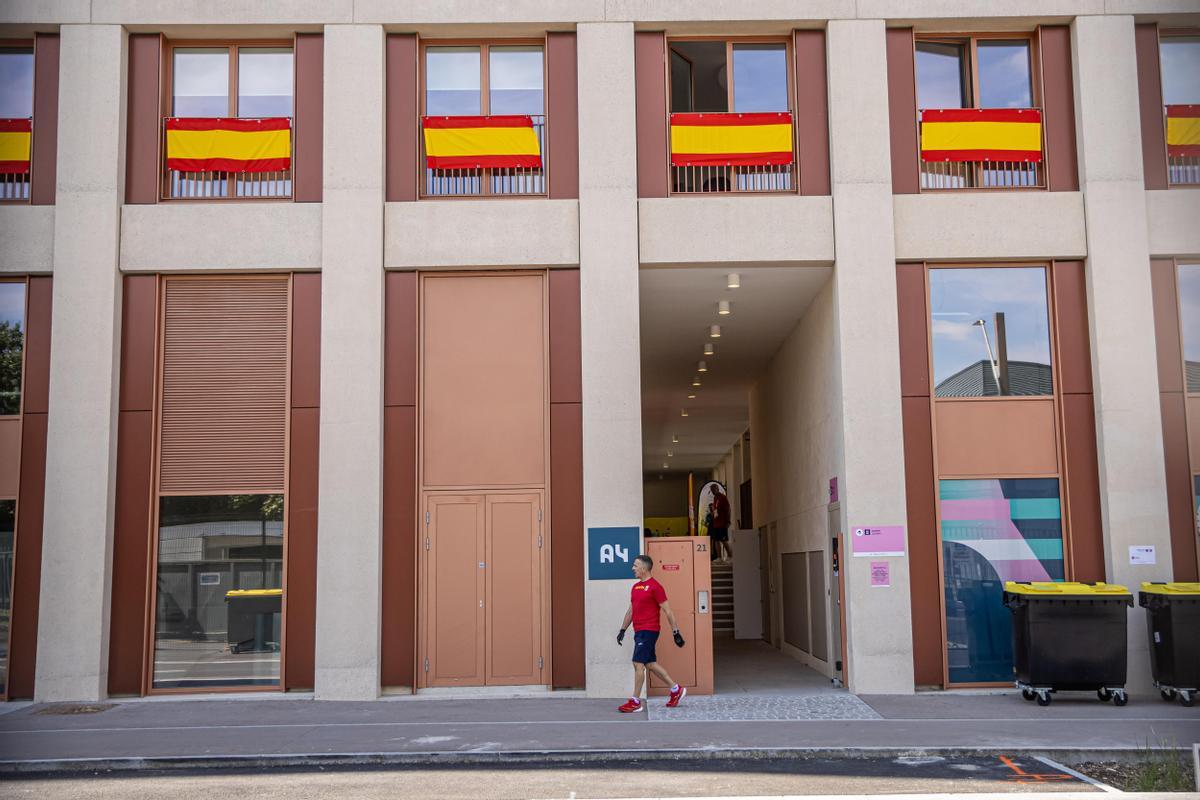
(722, 598)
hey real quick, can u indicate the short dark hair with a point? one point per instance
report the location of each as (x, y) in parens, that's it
(646, 560)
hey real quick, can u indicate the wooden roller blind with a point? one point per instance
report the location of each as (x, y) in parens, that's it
(225, 374)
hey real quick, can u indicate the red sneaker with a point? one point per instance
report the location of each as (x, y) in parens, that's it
(677, 696)
(630, 707)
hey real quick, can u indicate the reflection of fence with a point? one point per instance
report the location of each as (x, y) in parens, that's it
(490, 181)
(219, 185)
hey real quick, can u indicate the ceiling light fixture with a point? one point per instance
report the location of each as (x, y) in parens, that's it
(733, 281)
(714, 331)
(709, 350)
(702, 367)
(696, 381)
(666, 466)
(674, 438)
(683, 412)
(670, 454)
(690, 397)
(723, 308)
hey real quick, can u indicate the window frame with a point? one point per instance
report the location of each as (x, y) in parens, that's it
(24, 281)
(1036, 95)
(1168, 33)
(24, 44)
(166, 105)
(485, 102)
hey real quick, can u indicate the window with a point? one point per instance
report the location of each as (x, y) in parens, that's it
(993, 531)
(990, 331)
(731, 77)
(16, 121)
(982, 73)
(1180, 60)
(250, 82)
(486, 80)
(219, 591)
(12, 345)
(1189, 319)
(8, 518)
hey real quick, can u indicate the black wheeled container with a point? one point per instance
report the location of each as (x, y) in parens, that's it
(1173, 621)
(253, 620)
(1069, 637)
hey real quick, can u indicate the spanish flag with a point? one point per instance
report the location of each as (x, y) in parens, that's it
(216, 144)
(981, 134)
(481, 142)
(1183, 131)
(731, 139)
(15, 135)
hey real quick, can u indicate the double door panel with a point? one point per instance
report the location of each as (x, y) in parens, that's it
(682, 565)
(483, 601)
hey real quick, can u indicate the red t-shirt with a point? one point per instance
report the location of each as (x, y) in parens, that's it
(645, 597)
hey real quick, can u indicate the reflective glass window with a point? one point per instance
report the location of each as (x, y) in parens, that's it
(219, 602)
(1005, 80)
(200, 82)
(703, 77)
(515, 79)
(452, 81)
(12, 346)
(1189, 317)
(264, 81)
(991, 332)
(760, 77)
(943, 75)
(8, 516)
(16, 82)
(993, 531)
(1180, 59)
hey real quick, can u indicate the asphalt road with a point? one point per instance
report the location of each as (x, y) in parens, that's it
(724, 778)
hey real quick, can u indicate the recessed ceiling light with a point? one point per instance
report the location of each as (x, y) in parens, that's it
(714, 331)
(733, 280)
(670, 454)
(690, 397)
(702, 367)
(709, 349)
(696, 381)
(683, 412)
(666, 466)
(674, 439)
(723, 308)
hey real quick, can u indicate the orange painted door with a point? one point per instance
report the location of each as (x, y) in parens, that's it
(682, 566)
(513, 590)
(454, 590)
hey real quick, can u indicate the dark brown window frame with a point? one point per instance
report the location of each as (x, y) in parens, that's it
(23, 44)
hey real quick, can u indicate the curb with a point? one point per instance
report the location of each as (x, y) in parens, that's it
(536, 758)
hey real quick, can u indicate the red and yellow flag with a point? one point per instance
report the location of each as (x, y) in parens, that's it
(15, 135)
(481, 142)
(1183, 131)
(217, 144)
(981, 134)
(731, 139)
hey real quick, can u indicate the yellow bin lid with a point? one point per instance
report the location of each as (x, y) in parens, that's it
(1178, 587)
(255, 593)
(1058, 589)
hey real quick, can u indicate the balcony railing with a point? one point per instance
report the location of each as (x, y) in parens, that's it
(1183, 150)
(704, 178)
(14, 164)
(489, 181)
(981, 162)
(14, 187)
(227, 184)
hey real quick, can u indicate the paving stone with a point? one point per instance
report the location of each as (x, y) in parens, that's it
(754, 708)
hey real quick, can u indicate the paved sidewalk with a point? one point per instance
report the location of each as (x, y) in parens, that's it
(405, 730)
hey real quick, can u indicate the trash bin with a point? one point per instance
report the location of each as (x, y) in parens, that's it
(1173, 617)
(1069, 637)
(252, 619)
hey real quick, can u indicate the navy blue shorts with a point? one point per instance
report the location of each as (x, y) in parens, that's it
(643, 647)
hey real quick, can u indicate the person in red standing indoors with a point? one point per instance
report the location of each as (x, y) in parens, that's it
(646, 599)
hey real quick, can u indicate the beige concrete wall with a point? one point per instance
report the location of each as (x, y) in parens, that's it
(1171, 219)
(989, 225)
(482, 233)
(72, 657)
(350, 499)
(220, 236)
(608, 279)
(765, 230)
(28, 236)
(1124, 372)
(879, 621)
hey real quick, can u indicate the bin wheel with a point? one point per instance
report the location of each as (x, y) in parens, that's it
(1187, 697)
(1104, 694)
(1167, 694)
(1028, 694)
(1043, 698)
(1120, 698)
(233, 648)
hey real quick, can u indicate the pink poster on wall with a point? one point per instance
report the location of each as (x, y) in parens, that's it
(878, 540)
(881, 574)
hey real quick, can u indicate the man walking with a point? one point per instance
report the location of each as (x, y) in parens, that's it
(645, 600)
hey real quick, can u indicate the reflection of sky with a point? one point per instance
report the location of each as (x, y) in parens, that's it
(1180, 69)
(939, 75)
(760, 77)
(958, 297)
(452, 80)
(1189, 309)
(1004, 75)
(12, 302)
(16, 84)
(201, 82)
(264, 82)
(515, 80)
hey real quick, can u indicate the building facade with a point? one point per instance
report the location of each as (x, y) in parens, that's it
(335, 334)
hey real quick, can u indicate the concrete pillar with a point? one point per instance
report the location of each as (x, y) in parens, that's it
(350, 503)
(1133, 497)
(608, 278)
(72, 658)
(878, 620)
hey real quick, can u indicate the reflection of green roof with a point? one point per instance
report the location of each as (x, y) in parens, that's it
(1025, 378)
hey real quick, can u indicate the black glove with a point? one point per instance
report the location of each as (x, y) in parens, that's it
(678, 639)
(621, 637)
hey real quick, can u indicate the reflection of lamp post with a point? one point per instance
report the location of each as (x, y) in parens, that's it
(988, 346)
